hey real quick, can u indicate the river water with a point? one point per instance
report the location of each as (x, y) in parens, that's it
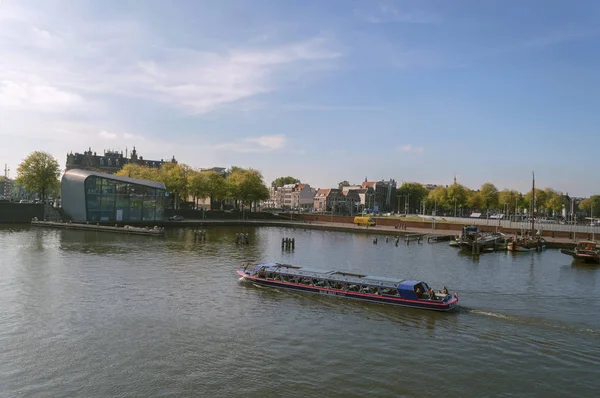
(97, 315)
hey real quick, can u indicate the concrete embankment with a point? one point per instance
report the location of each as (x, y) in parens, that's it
(11, 212)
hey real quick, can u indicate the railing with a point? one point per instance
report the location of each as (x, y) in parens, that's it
(526, 225)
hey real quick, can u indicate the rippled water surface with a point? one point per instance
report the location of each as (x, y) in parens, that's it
(96, 315)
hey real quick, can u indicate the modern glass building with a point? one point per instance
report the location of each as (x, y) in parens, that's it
(92, 196)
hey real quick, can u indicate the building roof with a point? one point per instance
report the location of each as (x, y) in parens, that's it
(369, 184)
(78, 174)
(323, 191)
(300, 187)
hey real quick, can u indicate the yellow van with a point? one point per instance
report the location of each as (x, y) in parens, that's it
(364, 220)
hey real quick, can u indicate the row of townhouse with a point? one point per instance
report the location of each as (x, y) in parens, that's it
(376, 196)
(291, 196)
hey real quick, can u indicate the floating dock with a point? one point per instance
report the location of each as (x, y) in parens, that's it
(127, 229)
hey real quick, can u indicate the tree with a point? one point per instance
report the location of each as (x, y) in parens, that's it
(554, 201)
(438, 198)
(585, 204)
(199, 185)
(343, 184)
(38, 173)
(541, 197)
(509, 197)
(411, 193)
(247, 186)
(475, 200)
(457, 196)
(140, 171)
(252, 187)
(591, 204)
(281, 181)
(174, 176)
(489, 193)
(217, 190)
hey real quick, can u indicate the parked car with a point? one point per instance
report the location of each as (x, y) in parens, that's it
(176, 218)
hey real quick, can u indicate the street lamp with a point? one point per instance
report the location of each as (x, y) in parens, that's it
(592, 217)
(455, 207)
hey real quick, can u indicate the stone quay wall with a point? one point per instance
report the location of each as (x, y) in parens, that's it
(11, 212)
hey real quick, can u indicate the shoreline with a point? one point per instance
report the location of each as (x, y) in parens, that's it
(436, 234)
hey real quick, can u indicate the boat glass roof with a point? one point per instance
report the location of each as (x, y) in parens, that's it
(337, 276)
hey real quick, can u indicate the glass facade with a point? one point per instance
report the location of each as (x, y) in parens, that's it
(111, 200)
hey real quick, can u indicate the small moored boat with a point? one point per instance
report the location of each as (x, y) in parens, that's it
(527, 244)
(534, 242)
(585, 251)
(408, 293)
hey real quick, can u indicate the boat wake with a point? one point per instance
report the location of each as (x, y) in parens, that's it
(544, 323)
(486, 313)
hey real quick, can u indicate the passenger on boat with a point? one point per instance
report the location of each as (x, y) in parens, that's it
(418, 291)
(444, 290)
(431, 294)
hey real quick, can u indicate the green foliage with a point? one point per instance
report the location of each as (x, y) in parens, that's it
(281, 181)
(489, 193)
(141, 172)
(554, 201)
(591, 204)
(217, 190)
(199, 184)
(457, 195)
(414, 191)
(39, 173)
(475, 200)
(175, 175)
(585, 204)
(438, 198)
(246, 186)
(343, 184)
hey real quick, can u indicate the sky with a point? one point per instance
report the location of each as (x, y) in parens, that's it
(324, 91)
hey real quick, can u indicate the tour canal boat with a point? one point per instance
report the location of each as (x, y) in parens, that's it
(395, 291)
(585, 251)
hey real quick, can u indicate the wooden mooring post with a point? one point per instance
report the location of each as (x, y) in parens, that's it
(242, 238)
(288, 243)
(199, 235)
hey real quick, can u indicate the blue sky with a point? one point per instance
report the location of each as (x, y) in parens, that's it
(321, 90)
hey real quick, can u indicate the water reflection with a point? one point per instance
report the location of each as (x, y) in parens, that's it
(273, 298)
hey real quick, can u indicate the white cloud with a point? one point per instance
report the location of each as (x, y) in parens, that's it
(23, 95)
(269, 141)
(120, 58)
(265, 143)
(410, 149)
(64, 80)
(107, 135)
